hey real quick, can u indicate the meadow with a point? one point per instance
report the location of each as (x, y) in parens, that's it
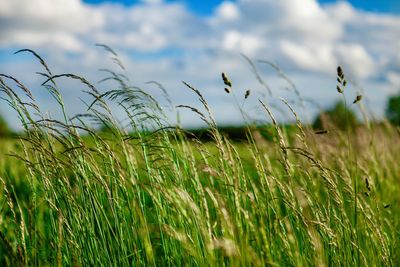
(155, 194)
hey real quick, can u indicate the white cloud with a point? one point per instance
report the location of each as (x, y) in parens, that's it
(360, 63)
(45, 23)
(341, 11)
(244, 43)
(60, 40)
(147, 38)
(165, 41)
(394, 79)
(228, 11)
(317, 58)
(63, 15)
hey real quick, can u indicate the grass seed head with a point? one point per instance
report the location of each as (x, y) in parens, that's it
(227, 82)
(340, 72)
(321, 132)
(247, 94)
(358, 99)
(367, 184)
(340, 79)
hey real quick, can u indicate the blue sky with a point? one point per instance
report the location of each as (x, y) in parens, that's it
(170, 41)
(205, 7)
(384, 6)
(200, 7)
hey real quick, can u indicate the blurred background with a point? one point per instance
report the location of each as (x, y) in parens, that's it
(194, 41)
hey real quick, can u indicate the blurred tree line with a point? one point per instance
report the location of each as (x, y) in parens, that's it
(393, 110)
(343, 118)
(4, 129)
(338, 116)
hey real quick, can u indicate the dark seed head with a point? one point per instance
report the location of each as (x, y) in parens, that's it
(321, 132)
(247, 94)
(358, 99)
(227, 90)
(227, 82)
(340, 72)
(367, 184)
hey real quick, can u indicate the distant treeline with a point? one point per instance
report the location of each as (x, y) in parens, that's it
(238, 133)
(339, 117)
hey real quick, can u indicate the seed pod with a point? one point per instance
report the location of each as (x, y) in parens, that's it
(227, 82)
(358, 98)
(340, 72)
(339, 89)
(321, 132)
(227, 90)
(247, 94)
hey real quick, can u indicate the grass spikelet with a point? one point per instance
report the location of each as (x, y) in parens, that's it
(247, 94)
(226, 81)
(321, 132)
(341, 80)
(41, 60)
(108, 49)
(357, 99)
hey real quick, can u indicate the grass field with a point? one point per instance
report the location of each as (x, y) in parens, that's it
(72, 195)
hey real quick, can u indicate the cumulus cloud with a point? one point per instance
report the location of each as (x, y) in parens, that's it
(246, 43)
(167, 42)
(37, 23)
(228, 11)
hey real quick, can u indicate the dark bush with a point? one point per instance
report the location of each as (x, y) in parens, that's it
(4, 129)
(339, 116)
(393, 110)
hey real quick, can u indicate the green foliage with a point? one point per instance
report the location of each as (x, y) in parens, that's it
(339, 116)
(4, 129)
(393, 110)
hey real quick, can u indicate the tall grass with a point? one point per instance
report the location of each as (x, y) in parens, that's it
(155, 196)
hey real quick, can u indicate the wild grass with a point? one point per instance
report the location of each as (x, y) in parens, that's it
(153, 195)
